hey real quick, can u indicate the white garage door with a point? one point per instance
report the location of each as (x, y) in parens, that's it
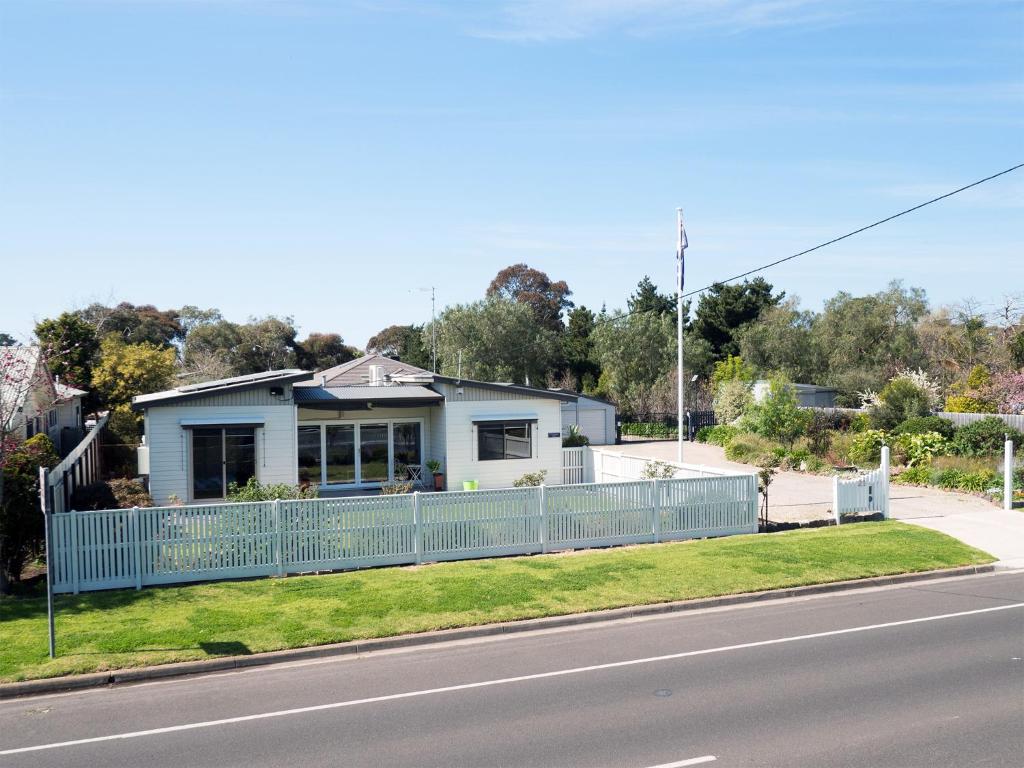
(592, 424)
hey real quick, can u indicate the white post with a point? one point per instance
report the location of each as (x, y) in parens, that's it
(1008, 475)
(417, 527)
(278, 537)
(74, 550)
(885, 482)
(680, 248)
(138, 547)
(835, 498)
(543, 518)
(656, 506)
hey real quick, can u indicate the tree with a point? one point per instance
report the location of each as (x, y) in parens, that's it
(865, 340)
(127, 370)
(733, 368)
(534, 288)
(320, 351)
(779, 415)
(265, 344)
(6, 340)
(402, 342)
(500, 340)
(191, 317)
(647, 299)
(781, 340)
(725, 309)
(634, 352)
(215, 343)
(732, 399)
(21, 522)
(578, 348)
(135, 323)
(70, 345)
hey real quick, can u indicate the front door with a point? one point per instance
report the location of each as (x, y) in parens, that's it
(221, 456)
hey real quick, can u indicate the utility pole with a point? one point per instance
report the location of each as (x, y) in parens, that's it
(680, 275)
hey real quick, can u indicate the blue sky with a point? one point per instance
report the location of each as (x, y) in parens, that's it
(323, 159)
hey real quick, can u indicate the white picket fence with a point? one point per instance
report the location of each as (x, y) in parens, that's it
(865, 493)
(573, 465)
(165, 545)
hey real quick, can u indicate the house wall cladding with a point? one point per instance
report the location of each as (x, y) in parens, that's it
(461, 441)
(169, 443)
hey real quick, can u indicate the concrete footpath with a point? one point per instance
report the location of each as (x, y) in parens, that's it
(795, 496)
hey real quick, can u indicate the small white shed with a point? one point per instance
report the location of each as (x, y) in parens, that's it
(596, 419)
(810, 395)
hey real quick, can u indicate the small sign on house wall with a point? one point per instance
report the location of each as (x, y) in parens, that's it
(554, 434)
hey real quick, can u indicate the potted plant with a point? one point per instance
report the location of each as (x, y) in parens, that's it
(435, 469)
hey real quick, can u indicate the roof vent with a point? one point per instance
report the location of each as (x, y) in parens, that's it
(376, 375)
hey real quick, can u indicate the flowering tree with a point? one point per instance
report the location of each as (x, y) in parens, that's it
(1007, 392)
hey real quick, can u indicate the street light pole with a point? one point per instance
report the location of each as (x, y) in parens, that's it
(680, 274)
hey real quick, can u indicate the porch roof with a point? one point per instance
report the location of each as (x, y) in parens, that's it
(363, 396)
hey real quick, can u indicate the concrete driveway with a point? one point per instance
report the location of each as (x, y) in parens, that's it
(794, 496)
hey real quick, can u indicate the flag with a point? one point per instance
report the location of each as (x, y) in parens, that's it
(681, 254)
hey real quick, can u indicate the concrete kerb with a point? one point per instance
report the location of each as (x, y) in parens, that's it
(121, 676)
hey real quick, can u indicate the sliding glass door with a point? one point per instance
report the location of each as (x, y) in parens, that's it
(357, 453)
(221, 456)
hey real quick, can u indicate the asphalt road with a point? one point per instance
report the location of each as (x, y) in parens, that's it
(918, 675)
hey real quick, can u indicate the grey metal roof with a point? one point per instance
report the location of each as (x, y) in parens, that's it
(553, 394)
(219, 386)
(380, 394)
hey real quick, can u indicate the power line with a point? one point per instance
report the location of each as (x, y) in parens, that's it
(857, 231)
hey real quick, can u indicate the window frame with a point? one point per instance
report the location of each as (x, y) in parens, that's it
(505, 424)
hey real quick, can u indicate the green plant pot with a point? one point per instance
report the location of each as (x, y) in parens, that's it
(470, 485)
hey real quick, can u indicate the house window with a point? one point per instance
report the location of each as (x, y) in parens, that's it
(51, 418)
(30, 427)
(504, 440)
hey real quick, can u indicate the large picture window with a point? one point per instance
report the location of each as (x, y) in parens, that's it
(504, 440)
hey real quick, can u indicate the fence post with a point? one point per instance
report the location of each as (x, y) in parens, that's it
(656, 508)
(137, 542)
(74, 550)
(885, 482)
(543, 518)
(278, 538)
(835, 499)
(417, 527)
(1008, 474)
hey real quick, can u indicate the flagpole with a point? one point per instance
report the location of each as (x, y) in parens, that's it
(679, 335)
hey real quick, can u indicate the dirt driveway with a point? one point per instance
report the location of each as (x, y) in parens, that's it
(795, 496)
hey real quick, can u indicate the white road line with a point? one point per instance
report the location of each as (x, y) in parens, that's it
(691, 761)
(503, 681)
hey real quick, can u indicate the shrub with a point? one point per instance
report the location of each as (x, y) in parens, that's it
(395, 488)
(866, 447)
(968, 404)
(732, 399)
(860, 422)
(819, 433)
(719, 435)
(779, 415)
(702, 435)
(919, 475)
(653, 429)
(901, 399)
(920, 448)
(658, 470)
(733, 368)
(918, 425)
(575, 438)
(984, 437)
(21, 522)
(256, 491)
(749, 449)
(530, 479)
(119, 493)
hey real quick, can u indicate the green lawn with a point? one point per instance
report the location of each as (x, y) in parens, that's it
(110, 630)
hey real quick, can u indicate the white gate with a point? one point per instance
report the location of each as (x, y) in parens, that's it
(867, 493)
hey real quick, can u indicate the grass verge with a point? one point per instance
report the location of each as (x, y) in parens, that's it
(125, 628)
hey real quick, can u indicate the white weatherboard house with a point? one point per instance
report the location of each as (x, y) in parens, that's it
(349, 427)
(32, 401)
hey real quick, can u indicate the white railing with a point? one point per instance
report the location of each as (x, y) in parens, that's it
(573, 466)
(614, 466)
(80, 467)
(866, 493)
(164, 545)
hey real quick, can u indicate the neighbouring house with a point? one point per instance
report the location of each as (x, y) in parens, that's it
(32, 401)
(355, 426)
(810, 395)
(594, 417)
